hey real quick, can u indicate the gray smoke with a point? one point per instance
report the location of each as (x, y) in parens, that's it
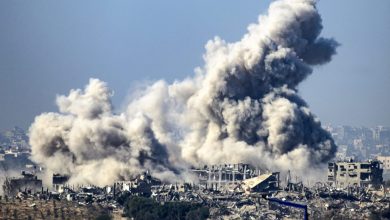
(242, 106)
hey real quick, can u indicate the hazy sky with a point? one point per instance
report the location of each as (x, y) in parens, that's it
(49, 47)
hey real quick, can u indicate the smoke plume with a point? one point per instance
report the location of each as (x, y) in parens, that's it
(241, 106)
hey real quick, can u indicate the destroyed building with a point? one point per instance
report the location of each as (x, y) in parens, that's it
(27, 183)
(218, 176)
(263, 183)
(140, 185)
(59, 181)
(362, 174)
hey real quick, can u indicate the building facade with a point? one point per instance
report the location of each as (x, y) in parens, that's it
(385, 161)
(349, 174)
(27, 183)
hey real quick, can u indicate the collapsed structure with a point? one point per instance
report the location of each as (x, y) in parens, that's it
(217, 177)
(265, 183)
(349, 174)
(29, 182)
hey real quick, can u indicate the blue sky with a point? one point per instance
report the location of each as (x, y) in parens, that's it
(49, 47)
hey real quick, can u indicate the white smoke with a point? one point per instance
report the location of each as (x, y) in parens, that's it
(242, 106)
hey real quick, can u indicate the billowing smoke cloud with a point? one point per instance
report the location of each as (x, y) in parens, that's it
(242, 106)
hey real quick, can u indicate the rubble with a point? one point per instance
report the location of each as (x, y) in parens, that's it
(261, 196)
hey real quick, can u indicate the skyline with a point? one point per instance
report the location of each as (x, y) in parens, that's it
(46, 52)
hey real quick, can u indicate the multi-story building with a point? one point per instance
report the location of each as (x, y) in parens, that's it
(217, 176)
(362, 174)
(385, 161)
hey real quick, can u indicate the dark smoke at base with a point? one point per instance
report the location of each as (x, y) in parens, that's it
(242, 106)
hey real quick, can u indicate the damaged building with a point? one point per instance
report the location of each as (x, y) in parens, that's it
(140, 185)
(262, 183)
(27, 183)
(217, 177)
(362, 174)
(59, 181)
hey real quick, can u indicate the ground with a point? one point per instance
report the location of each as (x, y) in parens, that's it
(48, 209)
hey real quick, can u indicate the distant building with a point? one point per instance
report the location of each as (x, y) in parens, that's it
(262, 183)
(385, 161)
(14, 160)
(344, 174)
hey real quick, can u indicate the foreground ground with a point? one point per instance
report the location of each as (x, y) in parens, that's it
(49, 209)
